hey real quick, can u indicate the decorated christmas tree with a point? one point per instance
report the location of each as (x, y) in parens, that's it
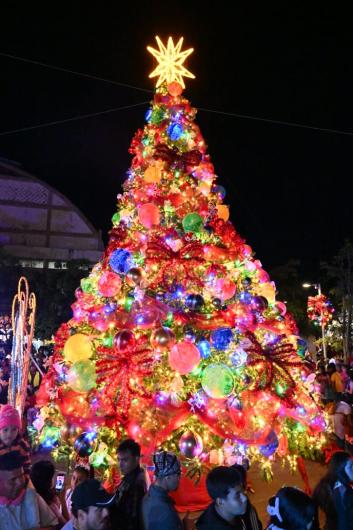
(177, 339)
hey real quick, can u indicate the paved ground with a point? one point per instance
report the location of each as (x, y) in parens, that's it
(282, 477)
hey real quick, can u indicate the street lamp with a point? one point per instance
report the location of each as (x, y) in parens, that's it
(317, 286)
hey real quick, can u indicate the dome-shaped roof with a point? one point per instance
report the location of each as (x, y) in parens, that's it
(37, 222)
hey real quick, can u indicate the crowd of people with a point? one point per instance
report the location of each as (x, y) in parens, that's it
(335, 384)
(29, 499)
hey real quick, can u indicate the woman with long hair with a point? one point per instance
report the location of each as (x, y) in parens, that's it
(334, 495)
(42, 477)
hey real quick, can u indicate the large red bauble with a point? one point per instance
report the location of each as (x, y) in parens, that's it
(149, 215)
(124, 340)
(184, 357)
(109, 284)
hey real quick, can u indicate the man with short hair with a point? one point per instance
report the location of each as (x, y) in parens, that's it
(230, 507)
(21, 508)
(127, 507)
(90, 506)
(157, 507)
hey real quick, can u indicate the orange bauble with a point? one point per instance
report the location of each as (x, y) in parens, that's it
(175, 89)
(153, 174)
(223, 211)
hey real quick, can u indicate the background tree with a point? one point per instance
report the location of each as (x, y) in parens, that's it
(338, 273)
(54, 289)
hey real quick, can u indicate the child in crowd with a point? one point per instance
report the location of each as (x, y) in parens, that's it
(80, 474)
(11, 438)
(291, 509)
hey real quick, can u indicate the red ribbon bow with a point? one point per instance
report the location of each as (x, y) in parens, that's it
(181, 160)
(175, 262)
(116, 369)
(277, 361)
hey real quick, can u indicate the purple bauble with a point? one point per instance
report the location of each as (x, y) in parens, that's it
(190, 444)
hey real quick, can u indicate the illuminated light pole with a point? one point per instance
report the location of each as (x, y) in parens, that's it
(317, 286)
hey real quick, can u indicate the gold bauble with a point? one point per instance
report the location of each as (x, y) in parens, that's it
(153, 174)
(134, 276)
(162, 338)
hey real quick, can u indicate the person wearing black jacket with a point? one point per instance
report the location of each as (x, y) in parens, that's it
(126, 513)
(230, 507)
(334, 495)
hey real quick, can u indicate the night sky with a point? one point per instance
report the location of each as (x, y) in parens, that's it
(288, 187)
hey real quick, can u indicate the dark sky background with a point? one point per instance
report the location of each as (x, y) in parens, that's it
(288, 187)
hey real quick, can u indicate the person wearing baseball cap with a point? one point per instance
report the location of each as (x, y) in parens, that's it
(157, 507)
(90, 506)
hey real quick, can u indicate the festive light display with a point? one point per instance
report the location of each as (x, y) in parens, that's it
(177, 339)
(171, 70)
(320, 309)
(23, 322)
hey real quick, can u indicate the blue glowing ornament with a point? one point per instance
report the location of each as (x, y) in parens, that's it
(219, 190)
(238, 357)
(221, 338)
(85, 444)
(109, 308)
(148, 115)
(121, 261)
(177, 292)
(301, 346)
(245, 297)
(204, 348)
(270, 444)
(194, 302)
(174, 131)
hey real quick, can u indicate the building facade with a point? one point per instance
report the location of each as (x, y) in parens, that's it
(39, 225)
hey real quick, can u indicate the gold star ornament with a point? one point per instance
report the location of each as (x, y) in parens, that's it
(170, 62)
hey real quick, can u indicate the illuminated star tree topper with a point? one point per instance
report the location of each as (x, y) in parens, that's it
(170, 62)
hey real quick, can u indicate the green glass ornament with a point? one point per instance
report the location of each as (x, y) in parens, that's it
(192, 222)
(217, 381)
(116, 219)
(158, 115)
(86, 285)
(82, 376)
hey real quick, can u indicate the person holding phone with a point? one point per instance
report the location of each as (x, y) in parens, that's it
(42, 477)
